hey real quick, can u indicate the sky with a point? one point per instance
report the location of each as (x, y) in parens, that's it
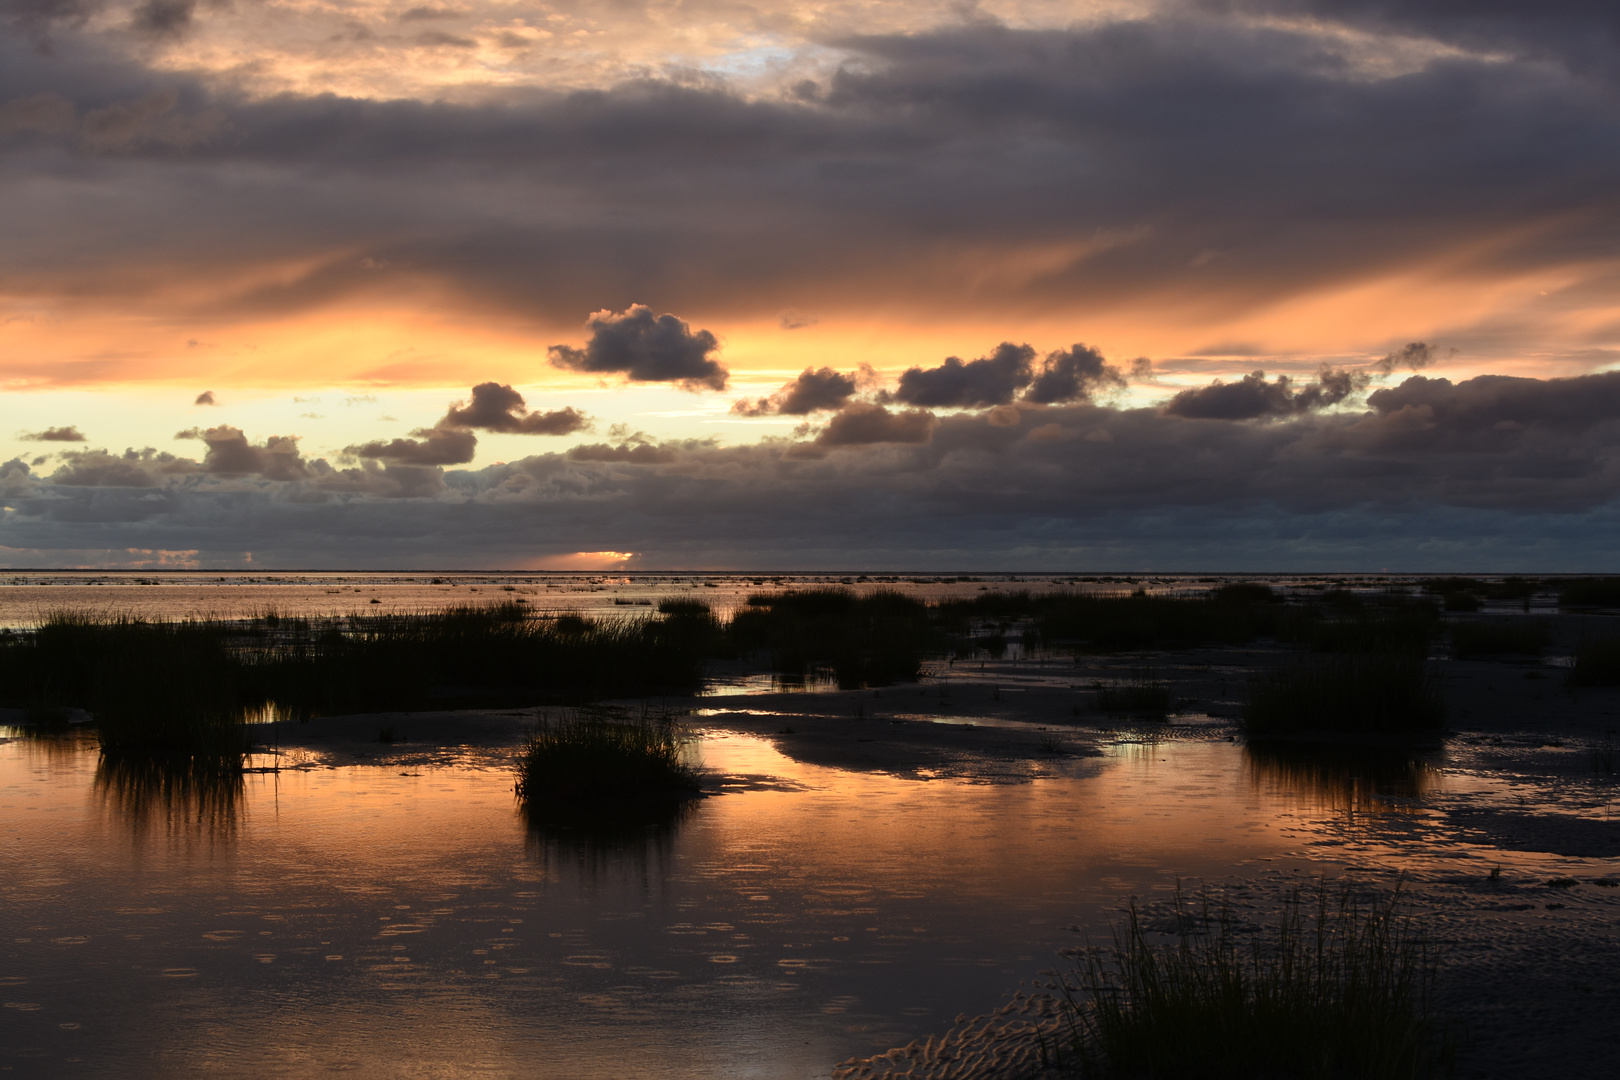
(1244, 285)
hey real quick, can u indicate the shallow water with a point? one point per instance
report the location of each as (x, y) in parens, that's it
(367, 921)
(25, 596)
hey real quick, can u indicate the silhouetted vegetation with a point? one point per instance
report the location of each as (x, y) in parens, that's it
(1338, 991)
(1590, 592)
(1363, 693)
(189, 688)
(1512, 636)
(868, 640)
(1102, 623)
(600, 757)
(1597, 662)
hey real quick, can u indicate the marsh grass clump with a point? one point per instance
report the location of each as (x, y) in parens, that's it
(1597, 662)
(1511, 636)
(1358, 693)
(1394, 625)
(1140, 693)
(1590, 592)
(189, 688)
(159, 689)
(1335, 989)
(1104, 623)
(868, 640)
(597, 757)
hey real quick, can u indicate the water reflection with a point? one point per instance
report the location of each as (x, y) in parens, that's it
(595, 841)
(1350, 778)
(186, 797)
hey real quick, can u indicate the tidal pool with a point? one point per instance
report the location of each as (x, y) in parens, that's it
(363, 920)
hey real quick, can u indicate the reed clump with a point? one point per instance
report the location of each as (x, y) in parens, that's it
(1103, 623)
(1355, 693)
(868, 640)
(189, 687)
(1335, 989)
(600, 757)
(1597, 662)
(1590, 592)
(1510, 636)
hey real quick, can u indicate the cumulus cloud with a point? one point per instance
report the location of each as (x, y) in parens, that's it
(70, 433)
(814, 390)
(1073, 374)
(431, 446)
(1252, 398)
(231, 454)
(1519, 472)
(205, 398)
(863, 423)
(989, 380)
(133, 468)
(646, 348)
(498, 407)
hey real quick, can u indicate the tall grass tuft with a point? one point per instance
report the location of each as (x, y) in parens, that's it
(604, 759)
(1335, 990)
(1486, 637)
(868, 640)
(1597, 662)
(187, 688)
(1359, 693)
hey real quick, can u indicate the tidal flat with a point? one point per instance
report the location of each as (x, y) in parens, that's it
(877, 880)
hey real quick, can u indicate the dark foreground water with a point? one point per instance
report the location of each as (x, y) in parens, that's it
(367, 921)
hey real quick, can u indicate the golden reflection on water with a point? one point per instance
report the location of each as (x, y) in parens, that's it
(805, 914)
(186, 798)
(1355, 779)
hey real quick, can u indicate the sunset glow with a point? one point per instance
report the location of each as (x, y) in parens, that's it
(647, 225)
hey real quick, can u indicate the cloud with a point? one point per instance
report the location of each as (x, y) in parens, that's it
(231, 454)
(498, 407)
(432, 446)
(989, 380)
(646, 348)
(1495, 472)
(205, 398)
(863, 423)
(134, 468)
(53, 434)
(1414, 355)
(1073, 374)
(163, 18)
(813, 390)
(1252, 397)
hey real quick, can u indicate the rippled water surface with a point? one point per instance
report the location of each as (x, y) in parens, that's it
(404, 924)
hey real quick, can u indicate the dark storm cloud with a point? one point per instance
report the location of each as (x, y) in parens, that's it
(498, 407)
(814, 390)
(70, 433)
(1073, 374)
(1252, 397)
(1176, 153)
(1478, 473)
(646, 348)
(989, 380)
(431, 446)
